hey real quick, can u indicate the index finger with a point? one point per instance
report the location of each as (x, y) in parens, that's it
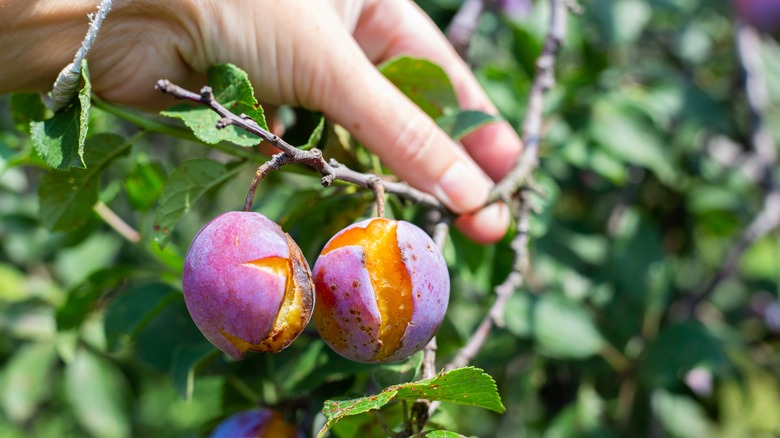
(387, 28)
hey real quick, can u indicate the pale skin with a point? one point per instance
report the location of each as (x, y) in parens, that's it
(319, 54)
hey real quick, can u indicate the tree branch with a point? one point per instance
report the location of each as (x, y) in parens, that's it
(330, 171)
(463, 25)
(519, 177)
(532, 124)
(764, 150)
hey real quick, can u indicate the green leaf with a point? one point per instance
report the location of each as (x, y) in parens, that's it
(186, 360)
(680, 415)
(60, 139)
(187, 184)
(13, 284)
(460, 123)
(396, 373)
(96, 390)
(422, 81)
(543, 204)
(304, 364)
(464, 386)
(678, 349)
(132, 310)
(26, 380)
(26, 108)
(315, 136)
(233, 90)
(519, 314)
(84, 297)
(67, 197)
(438, 434)
(564, 328)
(145, 184)
(620, 132)
(170, 329)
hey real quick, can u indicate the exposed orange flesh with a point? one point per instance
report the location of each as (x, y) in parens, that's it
(294, 310)
(297, 304)
(278, 428)
(389, 278)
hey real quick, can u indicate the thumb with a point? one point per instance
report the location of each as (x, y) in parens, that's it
(405, 139)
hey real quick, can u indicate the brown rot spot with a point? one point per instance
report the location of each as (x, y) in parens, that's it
(414, 257)
(429, 247)
(356, 283)
(333, 287)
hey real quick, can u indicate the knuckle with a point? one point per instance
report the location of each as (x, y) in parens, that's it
(414, 140)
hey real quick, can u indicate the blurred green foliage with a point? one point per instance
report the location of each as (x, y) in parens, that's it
(644, 169)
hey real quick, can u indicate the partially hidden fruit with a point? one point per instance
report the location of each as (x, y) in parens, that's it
(247, 285)
(256, 423)
(382, 290)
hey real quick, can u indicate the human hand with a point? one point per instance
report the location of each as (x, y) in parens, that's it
(319, 54)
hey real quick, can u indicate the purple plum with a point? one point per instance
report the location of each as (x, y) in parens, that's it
(382, 290)
(247, 285)
(256, 423)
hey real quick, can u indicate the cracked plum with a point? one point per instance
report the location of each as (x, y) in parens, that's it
(247, 285)
(382, 290)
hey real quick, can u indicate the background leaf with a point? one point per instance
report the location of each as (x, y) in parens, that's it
(232, 89)
(186, 185)
(564, 329)
(25, 380)
(96, 391)
(67, 197)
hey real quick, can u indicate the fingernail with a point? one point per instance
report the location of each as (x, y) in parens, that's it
(463, 187)
(486, 226)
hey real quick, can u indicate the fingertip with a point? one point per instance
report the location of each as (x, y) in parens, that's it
(495, 148)
(463, 187)
(486, 226)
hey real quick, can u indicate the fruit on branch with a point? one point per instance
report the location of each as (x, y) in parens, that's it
(382, 290)
(257, 423)
(764, 15)
(247, 285)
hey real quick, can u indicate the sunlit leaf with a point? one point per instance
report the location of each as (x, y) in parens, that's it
(232, 90)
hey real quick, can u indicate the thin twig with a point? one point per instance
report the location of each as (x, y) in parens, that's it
(67, 84)
(461, 29)
(379, 191)
(330, 171)
(518, 177)
(532, 124)
(116, 222)
(765, 152)
(495, 316)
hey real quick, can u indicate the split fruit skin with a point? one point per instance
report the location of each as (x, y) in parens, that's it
(382, 291)
(256, 423)
(247, 285)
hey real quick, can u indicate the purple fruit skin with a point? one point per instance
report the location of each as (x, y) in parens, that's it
(221, 292)
(430, 287)
(246, 424)
(345, 268)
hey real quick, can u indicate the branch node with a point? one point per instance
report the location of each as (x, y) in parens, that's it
(224, 123)
(206, 94)
(327, 180)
